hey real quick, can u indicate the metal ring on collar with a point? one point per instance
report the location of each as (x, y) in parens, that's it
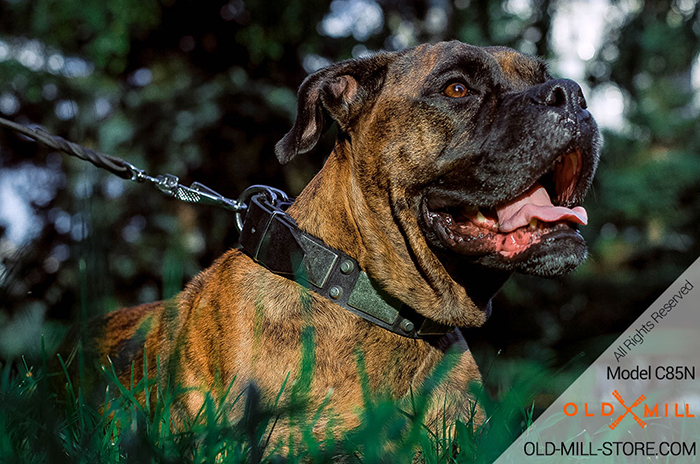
(274, 195)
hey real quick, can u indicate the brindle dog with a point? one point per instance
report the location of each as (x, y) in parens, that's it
(454, 166)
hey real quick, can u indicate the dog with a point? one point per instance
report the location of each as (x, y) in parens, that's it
(454, 166)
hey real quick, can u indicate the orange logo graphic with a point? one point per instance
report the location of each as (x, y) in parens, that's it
(656, 410)
(639, 401)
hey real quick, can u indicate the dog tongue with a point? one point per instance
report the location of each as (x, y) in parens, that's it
(536, 204)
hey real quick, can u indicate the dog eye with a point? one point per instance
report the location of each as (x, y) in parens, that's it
(456, 90)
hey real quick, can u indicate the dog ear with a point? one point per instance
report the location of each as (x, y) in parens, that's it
(338, 91)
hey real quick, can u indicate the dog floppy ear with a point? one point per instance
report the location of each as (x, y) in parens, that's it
(338, 91)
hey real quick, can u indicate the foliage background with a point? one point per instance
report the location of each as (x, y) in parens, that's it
(204, 90)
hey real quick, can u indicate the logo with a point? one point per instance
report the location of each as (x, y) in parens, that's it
(608, 409)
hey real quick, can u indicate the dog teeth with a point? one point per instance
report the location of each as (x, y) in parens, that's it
(480, 217)
(533, 223)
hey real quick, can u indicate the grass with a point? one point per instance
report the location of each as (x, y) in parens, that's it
(47, 417)
(40, 424)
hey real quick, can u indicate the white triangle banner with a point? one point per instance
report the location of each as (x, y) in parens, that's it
(639, 402)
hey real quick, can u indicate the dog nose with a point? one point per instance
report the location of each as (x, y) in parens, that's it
(559, 93)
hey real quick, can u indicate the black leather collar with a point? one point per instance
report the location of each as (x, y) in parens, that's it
(272, 238)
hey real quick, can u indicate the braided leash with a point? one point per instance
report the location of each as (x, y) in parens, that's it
(168, 184)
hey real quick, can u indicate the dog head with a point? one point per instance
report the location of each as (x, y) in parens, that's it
(474, 161)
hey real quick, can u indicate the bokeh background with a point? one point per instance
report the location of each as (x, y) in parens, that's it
(204, 89)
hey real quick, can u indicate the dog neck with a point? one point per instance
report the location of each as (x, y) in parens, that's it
(335, 208)
(324, 209)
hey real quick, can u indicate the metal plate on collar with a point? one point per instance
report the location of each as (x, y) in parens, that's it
(366, 298)
(318, 261)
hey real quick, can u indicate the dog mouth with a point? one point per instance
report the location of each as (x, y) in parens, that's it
(511, 230)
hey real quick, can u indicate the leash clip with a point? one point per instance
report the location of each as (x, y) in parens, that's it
(168, 184)
(196, 193)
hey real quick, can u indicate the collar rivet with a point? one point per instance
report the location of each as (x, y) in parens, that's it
(347, 267)
(335, 292)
